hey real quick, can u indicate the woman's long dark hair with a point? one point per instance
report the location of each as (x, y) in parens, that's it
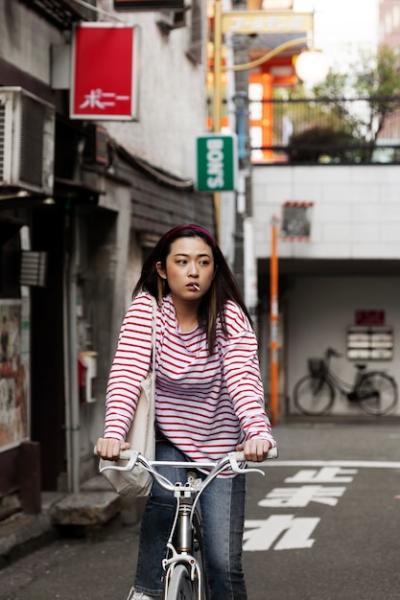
(223, 287)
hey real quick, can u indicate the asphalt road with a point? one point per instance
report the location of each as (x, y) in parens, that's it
(314, 531)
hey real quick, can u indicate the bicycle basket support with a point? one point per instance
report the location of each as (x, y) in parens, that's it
(316, 367)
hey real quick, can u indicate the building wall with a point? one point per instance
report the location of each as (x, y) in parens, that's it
(319, 309)
(109, 248)
(355, 217)
(356, 212)
(25, 39)
(104, 261)
(171, 98)
(171, 87)
(389, 23)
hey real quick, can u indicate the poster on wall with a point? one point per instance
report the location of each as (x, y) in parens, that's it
(13, 375)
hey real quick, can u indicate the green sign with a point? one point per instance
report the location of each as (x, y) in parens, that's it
(216, 163)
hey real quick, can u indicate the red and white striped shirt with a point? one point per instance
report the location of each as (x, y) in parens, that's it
(205, 405)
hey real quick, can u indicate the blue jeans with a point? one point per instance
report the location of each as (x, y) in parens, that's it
(222, 513)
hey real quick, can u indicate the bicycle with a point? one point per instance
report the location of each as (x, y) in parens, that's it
(184, 577)
(314, 394)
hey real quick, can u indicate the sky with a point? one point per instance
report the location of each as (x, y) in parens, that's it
(342, 27)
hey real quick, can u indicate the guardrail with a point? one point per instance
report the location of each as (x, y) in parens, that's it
(325, 130)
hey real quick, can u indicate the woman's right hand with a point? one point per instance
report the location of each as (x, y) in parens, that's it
(109, 448)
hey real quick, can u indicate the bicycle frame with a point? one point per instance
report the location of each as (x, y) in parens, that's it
(338, 384)
(314, 394)
(183, 528)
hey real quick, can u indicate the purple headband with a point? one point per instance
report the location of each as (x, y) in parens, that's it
(190, 227)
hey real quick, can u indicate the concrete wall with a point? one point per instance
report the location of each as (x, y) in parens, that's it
(111, 254)
(171, 88)
(356, 215)
(356, 211)
(319, 309)
(25, 39)
(172, 98)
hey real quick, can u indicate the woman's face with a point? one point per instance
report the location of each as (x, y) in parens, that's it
(189, 268)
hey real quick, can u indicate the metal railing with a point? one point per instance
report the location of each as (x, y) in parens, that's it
(325, 130)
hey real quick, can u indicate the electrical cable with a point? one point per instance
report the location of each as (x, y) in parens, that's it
(267, 56)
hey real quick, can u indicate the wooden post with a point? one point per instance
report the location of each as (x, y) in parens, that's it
(274, 322)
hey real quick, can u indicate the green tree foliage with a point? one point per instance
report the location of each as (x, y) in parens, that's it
(373, 85)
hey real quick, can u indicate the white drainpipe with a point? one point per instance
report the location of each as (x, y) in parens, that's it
(250, 272)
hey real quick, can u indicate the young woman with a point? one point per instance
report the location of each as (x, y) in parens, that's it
(209, 398)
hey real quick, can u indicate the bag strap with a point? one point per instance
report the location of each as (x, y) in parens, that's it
(153, 334)
(153, 348)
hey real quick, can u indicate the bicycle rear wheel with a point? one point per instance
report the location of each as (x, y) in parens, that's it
(313, 395)
(377, 393)
(181, 586)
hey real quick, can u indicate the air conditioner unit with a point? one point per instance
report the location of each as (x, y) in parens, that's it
(27, 128)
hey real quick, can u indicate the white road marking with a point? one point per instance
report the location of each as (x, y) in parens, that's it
(262, 534)
(356, 464)
(290, 532)
(323, 475)
(299, 497)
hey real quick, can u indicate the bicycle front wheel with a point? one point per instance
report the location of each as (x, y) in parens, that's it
(377, 393)
(180, 586)
(313, 395)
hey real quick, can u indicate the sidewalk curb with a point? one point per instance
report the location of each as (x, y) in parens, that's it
(23, 533)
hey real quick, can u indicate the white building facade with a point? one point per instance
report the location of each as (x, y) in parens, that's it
(347, 268)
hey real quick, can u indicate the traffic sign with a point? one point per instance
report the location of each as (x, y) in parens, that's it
(216, 162)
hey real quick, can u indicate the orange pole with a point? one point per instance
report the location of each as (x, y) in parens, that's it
(274, 322)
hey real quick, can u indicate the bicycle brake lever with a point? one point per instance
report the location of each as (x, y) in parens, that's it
(128, 467)
(237, 469)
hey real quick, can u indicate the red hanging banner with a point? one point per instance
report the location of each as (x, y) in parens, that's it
(104, 72)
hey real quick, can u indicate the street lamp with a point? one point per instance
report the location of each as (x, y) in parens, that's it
(311, 66)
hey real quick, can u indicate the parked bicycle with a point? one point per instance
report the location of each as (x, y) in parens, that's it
(314, 394)
(184, 578)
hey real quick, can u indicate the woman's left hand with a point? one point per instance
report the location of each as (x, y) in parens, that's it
(255, 449)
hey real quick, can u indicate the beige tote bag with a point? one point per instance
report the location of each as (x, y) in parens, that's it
(141, 435)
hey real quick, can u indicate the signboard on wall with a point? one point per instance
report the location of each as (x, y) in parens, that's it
(216, 162)
(13, 375)
(104, 72)
(296, 220)
(258, 21)
(369, 317)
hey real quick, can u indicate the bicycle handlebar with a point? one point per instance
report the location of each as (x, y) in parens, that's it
(230, 460)
(332, 352)
(238, 456)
